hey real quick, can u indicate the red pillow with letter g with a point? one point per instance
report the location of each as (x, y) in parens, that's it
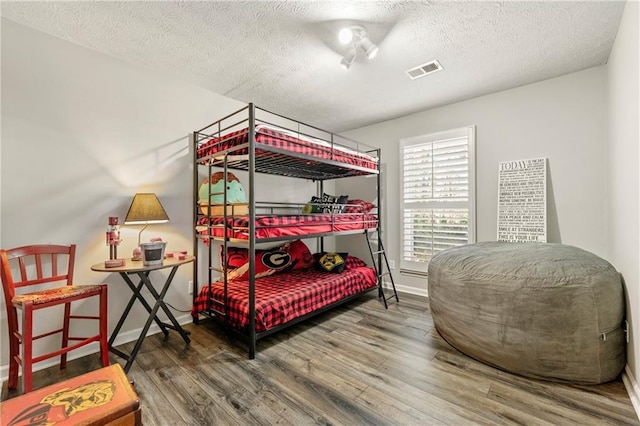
(288, 257)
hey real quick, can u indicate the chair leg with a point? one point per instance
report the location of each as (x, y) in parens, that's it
(14, 350)
(65, 335)
(104, 345)
(27, 348)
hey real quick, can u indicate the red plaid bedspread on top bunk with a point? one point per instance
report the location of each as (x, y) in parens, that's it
(283, 297)
(289, 141)
(270, 226)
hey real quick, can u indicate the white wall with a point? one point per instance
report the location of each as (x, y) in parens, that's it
(81, 134)
(623, 155)
(563, 119)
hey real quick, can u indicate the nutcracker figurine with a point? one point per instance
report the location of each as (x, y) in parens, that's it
(113, 237)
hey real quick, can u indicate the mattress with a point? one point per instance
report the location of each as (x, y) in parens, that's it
(283, 139)
(283, 297)
(272, 226)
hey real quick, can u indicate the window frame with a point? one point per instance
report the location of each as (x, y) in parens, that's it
(420, 268)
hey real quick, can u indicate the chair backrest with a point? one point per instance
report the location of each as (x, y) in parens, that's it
(35, 264)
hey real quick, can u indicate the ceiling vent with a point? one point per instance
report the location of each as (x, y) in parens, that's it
(424, 69)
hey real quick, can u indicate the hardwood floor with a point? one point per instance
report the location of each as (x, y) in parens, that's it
(357, 364)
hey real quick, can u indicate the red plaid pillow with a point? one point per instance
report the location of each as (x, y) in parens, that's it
(358, 206)
(290, 256)
(354, 262)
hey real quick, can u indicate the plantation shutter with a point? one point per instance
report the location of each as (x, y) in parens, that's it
(438, 195)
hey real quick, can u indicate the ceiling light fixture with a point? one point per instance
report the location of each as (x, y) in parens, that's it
(370, 49)
(348, 58)
(345, 36)
(356, 36)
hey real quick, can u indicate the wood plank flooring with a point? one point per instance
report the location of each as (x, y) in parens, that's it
(357, 364)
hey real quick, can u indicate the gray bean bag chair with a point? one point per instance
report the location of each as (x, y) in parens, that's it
(547, 311)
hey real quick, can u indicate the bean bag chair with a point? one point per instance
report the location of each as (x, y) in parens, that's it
(540, 310)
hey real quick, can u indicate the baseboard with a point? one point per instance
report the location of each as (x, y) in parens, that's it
(129, 336)
(632, 389)
(406, 289)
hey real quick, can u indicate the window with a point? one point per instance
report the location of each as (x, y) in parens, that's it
(438, 195)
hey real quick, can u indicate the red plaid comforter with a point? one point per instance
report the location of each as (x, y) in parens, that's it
(288, 225)
(284, 297)
(271, 137)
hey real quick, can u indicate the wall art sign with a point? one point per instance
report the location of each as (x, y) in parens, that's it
(522, 200)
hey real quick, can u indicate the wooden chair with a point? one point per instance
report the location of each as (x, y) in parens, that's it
(36, 265)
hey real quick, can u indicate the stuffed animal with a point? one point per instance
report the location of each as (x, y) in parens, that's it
(215, 185)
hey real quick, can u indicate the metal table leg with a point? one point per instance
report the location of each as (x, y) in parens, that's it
(160, 299)
(144, 279)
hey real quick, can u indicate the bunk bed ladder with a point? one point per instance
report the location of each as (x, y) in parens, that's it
(378, 266)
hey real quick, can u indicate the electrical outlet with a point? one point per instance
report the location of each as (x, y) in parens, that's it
(190, 287)
(392, 264)
(627, 330)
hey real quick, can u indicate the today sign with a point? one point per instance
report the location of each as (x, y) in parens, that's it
(522, 200)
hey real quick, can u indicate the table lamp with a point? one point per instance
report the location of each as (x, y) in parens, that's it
(145, 209)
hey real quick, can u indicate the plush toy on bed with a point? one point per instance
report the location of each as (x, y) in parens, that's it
(216, 185)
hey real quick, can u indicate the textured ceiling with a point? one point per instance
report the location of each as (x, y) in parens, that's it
(284, 55)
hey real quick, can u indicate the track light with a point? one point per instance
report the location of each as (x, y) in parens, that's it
(348, 58)
(356, 36)
(370, 49)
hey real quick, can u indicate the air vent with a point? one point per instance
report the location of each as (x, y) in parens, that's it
(424, 69)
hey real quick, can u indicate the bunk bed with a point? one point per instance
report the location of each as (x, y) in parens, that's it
(262, 301)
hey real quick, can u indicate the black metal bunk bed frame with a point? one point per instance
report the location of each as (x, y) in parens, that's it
(276, 162)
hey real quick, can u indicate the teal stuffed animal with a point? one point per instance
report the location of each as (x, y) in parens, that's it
(215, 185)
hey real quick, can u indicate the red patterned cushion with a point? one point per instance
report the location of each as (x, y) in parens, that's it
(358, 206)
(354, 262)
(288, 257)
(236, 256)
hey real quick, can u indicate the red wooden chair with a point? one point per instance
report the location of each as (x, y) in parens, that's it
(35, 265)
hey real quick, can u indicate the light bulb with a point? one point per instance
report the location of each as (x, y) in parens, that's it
(345, 36)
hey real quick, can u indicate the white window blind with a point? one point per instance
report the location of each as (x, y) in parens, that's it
(438, 195)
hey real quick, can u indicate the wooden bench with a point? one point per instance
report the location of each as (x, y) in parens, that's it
(102, 397)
